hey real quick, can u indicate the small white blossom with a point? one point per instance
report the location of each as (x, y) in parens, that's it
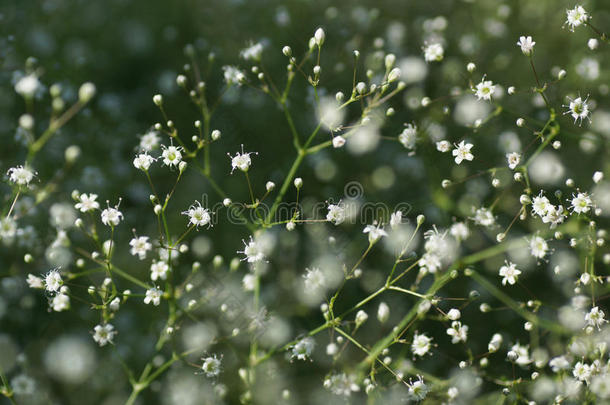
(149, 141)
(140, 246)
(526, 44)
(576, 17)
(60, 302)
(462, 152)
(581, 203)
(484, 90)
(159, 270)
(87, 202)
(418, 389)
(211, 366)
(153, 296)
(53, 281)
(27, 86)
(408, 136)
(112, 216)
(35, 282)
(421, 344)
(581, 371)
(21, 175)
(443, 146)
(341, 384)
(143, 161)
(538, 247)
(458, 332)
(303, 348)
(375, 232)
(314, 280)
(103, 334)
(252, 52)
(484, 217)
(595, 317)
(198, 216)
(513, 159)
(241, 160)
(578, 109)
(252, 251)
(510, 273)
(434, 52)
(233, 75)
(454, 314)
(336, 213)
(395, 219)
(172, 155)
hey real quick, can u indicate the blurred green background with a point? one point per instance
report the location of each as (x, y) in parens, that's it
(132, 49)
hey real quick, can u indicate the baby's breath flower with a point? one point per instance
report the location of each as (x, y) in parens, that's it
(484, 90)
(252, 251)
(418, 389)
(21, 175)
(576, 17)
(578, 109)
(375, 232)
(252, 52)
(336, 213)
(233, 75)
(462, 152)
(143, 161)
(338, 141)
(314, 280)
(172, 155)
(433, 52)
(103, 334)
(458, 332)
(408, 136)
(61, 302)
(443, 146)
(526, 44)
(241, 160)
(303, 348)
(341, 384)
(513, 159)
(35, 282)
(139, 246)
(153, 295)
(86, 203)
(159, 270)
(509, 273)
(111, 216)
(538, 247)
(27, 86)
(595, 317)
(581, 203)
(149, 141)
(198, 215)
(53, 281)
(211, 366)
(421, 344)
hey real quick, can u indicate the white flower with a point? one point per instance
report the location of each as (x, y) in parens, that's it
(494, 343)
(559, 363)
(458, 332)
(538, 247)
(595, 317)
(21, 175)
(143, 161)
(314, 280)
(433, 53)
(341, 384)
(395, 219)
(336, 213)
(581, 371)
(575, 17)
(198, 215)
(303, 348)
(35, 282)
(484, 90)
(526, 44)
(53, 281)
(233, 75)
(522, 352)
(540, 205)
(319, 36)
(454, 314)
(375, 232)
(112, 216)
(418, 389)
(60, 302)
(252, 251)
(27, 86)
(361, 317)
(159, 270)
(172, 155)
(462, 152)
(241, 160)
(578, 109)
(581, 203)
(484, 217)
(252, 52)
(513, 159)
(153, 295)
(211, 366)
(421, 344)
(408, 136)
(459, 231)
(149, 141)
(139, 246)
(554, 215)
(383, 312)
(103, 334)
(443, 146)
(86, 203)
(510, 273)
(338, 141)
